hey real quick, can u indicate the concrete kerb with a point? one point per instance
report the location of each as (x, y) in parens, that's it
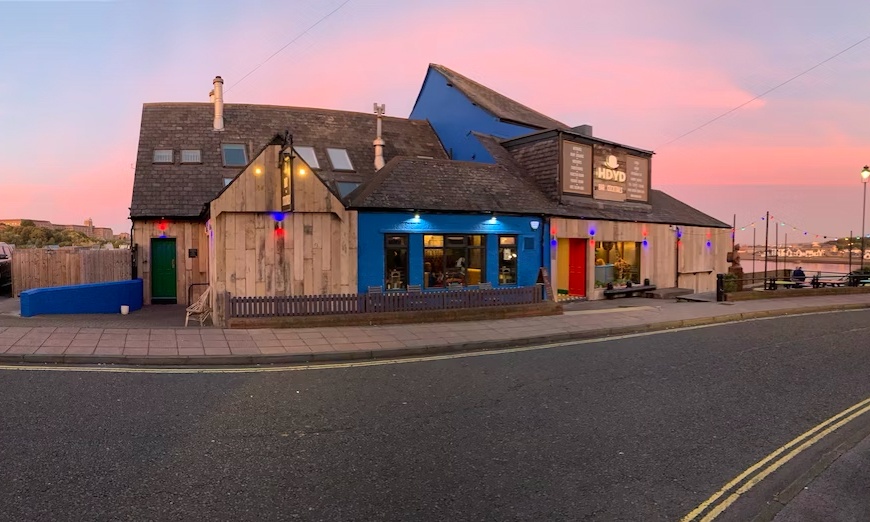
(398, 353)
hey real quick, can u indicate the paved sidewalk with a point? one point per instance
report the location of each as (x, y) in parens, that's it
(155, 335)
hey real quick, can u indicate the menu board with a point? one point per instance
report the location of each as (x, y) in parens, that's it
(576, 168)
(637, 178)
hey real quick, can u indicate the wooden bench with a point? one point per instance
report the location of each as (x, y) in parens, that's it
(610, 293)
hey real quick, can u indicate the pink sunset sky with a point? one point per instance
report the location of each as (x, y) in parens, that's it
(76, 73)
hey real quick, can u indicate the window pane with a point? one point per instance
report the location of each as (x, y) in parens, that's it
(191, 156)
(396, 262)
(227, 181)
(507, 260)
(163, 156)
(234, 155)
(433, 241)
(616, 262)
(308, 156)
(433, 267)
(401, 240)
(346, 187)
(339, 159)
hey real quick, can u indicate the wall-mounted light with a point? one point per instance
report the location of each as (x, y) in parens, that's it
(493, 219)
(258, 171)
(302, 171)
(534, 224)
(416, 215)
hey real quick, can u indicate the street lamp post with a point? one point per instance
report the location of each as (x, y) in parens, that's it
(865, 173)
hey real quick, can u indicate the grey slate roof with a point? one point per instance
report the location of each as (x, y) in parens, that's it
(661, 208)
(448, 185)
(181, 190)
(497, 104)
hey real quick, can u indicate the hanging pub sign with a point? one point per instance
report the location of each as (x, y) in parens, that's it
(286, 169)
(605, 172)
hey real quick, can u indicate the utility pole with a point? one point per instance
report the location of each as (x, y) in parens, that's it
(766, 236)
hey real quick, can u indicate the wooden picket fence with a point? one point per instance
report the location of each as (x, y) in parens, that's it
(308, 305)
(41, 268)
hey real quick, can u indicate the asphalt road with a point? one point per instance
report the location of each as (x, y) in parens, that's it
(642, 428)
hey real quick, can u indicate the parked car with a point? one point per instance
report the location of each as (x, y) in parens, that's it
(5, 268)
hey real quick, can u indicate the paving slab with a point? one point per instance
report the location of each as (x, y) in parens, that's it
(155, 335)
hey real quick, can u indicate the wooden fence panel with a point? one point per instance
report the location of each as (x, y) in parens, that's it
(308, 305)
(42, 268)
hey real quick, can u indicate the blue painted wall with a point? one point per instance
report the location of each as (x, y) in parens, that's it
(94, 298)
(454, 117)
(373, 226)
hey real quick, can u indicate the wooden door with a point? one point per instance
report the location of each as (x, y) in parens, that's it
(577, 267)
(163, 278)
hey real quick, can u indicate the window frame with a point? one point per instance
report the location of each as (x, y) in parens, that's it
(170, 161)
(442, 249)
(333, 162)
(315, 165)
(188, 162)
(234, 146)
(389, 249)
(515, 271)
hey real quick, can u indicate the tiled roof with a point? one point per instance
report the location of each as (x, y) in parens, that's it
(447, 185)
(661, 208)
(181, 190)
(497, 104)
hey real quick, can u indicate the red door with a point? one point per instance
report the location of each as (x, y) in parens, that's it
(577, 267)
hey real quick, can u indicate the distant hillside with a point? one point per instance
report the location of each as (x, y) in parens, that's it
(29, 235)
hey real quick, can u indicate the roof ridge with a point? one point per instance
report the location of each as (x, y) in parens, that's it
(483, 102)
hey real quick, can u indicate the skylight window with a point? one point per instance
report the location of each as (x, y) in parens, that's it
(227, 181)
(346, 187)
(339, 159)
(308, 156)
(234, 155)
(162, 155)
(191, 156)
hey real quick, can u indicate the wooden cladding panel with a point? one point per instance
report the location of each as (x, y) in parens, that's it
(698, 264)
(188, 235)
(256, 261)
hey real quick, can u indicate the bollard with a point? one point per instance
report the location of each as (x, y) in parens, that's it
(720, 287)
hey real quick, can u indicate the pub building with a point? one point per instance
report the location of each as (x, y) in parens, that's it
(609, 226)
(442, 223)
(605, 224)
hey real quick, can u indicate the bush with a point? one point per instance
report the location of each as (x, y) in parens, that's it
(730, 282)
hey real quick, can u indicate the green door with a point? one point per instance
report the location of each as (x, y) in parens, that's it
(163, 271)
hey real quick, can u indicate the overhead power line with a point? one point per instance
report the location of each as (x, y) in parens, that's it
(291, 42)
(765, 93)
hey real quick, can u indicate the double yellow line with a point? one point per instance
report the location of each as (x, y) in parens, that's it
(719, 502)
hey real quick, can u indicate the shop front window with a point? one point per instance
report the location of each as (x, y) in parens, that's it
(396, 261)
(507, 260)
(617, 262)
(453, 259)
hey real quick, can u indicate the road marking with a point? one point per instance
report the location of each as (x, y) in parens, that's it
(802, 442)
